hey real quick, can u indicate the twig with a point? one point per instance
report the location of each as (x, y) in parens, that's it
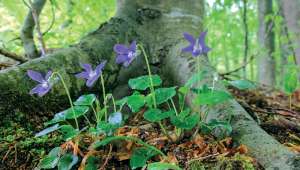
(107, 158)
(35, 16)
(13, 55)
(239, 68)
(27, 31)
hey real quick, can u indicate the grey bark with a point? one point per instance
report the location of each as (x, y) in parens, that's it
(27, 30)
(158, 25)
(291, 13)
(266, 70)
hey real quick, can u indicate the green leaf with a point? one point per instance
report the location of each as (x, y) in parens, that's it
(164, 94)
(185, 123)
(242, 84)
(290, 80)
(78, 111)
(135, 102)
(184, 90)
(106, 128)
(212, 97)
(68, 114)
(69, 132)
(121, 102)
(140, 156)
(47, 130)
(67, 161)
(58, 117)
(143, 82)
(85, 100)
(162, 166)
(155, 115)
(51, 160)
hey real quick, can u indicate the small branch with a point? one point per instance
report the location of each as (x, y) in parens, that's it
(239, 68)
(13, 55)
(27, 30)
(35, 16)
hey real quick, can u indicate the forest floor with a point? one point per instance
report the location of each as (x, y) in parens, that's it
(270, 108)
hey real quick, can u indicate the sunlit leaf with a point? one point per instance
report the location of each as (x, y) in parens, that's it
(135, 102)
(51, 160)
(242, 84)
(47, 130)
(140, 156)
(187, 122)
(67, 161)
(156, 115)
(143, 82)
(78, 111)
(164, 94)
(85, 100)
(162, 166)
(69, 132)
(212, 97)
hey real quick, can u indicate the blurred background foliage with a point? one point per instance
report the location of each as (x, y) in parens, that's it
(70, 20)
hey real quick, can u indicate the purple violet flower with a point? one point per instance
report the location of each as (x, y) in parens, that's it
(125, 55)
(44, 85)
(89, 74)
(197, 47)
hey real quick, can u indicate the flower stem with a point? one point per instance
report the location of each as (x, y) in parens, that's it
(69, 96)
(95, 113)
(174, 107)
(150, 76)
(152, 89)
(104, 96)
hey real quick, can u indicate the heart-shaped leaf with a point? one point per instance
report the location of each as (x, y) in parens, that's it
(67, 161)
(78, 111)
(58, 117)
(69, 132)
(140, 156)
(185, 123)
(135, 102)
(51, 160)
(156, 115)
(106, 128)
(242, 84)
(212, 97)
(162, 166)
(47, 130)
(164, 94)
(143, 82)
(85, 100)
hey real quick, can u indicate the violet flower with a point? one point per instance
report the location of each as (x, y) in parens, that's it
(197, 46)
(125, 55)
(89, 74)
(44, 82)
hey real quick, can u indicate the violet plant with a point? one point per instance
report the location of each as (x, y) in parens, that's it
(147, 93)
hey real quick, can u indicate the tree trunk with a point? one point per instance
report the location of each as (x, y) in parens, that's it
(266, 62)
(158, 25)
(291, 13)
